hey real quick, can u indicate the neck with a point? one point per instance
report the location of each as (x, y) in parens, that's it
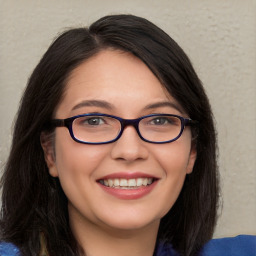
(98, 240)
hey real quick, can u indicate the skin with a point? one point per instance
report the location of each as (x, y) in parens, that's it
(96, 217)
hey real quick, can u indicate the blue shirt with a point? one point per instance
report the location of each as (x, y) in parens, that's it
(243, 245)
(8, 249)
(237, 246)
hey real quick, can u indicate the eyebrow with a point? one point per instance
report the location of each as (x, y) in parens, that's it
(164, 104)
(109, 106)
(93, 103)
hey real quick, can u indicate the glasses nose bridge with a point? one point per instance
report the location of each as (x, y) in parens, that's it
(130, 122)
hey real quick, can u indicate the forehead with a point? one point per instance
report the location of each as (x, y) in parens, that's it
(116, 66)
(117, 77)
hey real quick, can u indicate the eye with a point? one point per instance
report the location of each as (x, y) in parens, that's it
(163, 121)
(160, 121)
(92, 121)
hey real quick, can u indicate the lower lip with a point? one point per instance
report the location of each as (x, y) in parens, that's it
(129, 194)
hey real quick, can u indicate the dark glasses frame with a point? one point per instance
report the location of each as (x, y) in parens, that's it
(68, 122)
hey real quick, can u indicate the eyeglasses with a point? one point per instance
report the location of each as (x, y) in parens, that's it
(96, 128)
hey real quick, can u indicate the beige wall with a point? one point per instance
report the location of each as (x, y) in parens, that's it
(218, 35)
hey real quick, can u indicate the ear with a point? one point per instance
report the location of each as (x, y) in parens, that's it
(192, 159)
(47, 144)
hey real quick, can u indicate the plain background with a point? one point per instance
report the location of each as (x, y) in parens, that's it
(218, 35)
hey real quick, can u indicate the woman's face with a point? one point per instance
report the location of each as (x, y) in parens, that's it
(118, 83)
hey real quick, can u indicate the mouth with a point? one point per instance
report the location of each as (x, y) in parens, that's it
(128, 186)
(121, 183)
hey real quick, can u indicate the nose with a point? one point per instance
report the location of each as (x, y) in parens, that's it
(129, 146)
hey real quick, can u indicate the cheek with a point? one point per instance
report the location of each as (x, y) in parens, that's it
(73, 159)
(173, 159)
(77, 166)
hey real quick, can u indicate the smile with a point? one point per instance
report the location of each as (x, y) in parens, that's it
(120, 183)
(128, 185)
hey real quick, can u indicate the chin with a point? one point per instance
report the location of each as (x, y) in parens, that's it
(129, 223)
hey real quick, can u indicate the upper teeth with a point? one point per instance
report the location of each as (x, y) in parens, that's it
(127, 183)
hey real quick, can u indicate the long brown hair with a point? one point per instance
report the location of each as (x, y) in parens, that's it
(33, 202)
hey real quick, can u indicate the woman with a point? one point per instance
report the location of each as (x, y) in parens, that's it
(114, 148)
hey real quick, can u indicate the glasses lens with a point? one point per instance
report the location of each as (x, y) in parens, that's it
(95, 129)
(160, 128)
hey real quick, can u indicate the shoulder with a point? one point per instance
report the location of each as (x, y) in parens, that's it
(8, 249)
(243, 245)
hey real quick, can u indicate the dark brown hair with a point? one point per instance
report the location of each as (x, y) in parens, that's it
(33, 202)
